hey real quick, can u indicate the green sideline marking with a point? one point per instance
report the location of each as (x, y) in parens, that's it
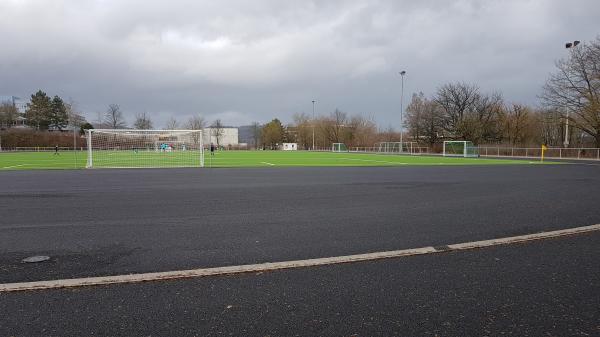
(72, 160)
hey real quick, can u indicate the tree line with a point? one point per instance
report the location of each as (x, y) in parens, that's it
(43, 113)
(461, 111)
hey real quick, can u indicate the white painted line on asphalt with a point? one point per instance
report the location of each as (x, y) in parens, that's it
(264, 162)
(271, 266)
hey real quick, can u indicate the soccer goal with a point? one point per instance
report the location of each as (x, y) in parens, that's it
(122, 148)
(398, 147)
(460, 148)
(339, 147)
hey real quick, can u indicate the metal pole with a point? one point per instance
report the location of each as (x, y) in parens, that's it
(402, 73)
(569, 45)
(313, 126)
(566, 143)
(75, 145)
(89, 144)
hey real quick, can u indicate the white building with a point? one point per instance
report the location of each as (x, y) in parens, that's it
(289, 146)
(227, 136)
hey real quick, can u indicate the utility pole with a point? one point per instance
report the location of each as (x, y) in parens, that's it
(402, 73)
(568, 45)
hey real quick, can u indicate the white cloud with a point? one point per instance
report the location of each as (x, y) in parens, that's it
(255, 60)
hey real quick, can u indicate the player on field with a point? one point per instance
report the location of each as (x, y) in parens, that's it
(56, 150)
(212, 149)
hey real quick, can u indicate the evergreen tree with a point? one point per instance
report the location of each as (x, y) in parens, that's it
(39, 111)
(273, 133)
(59, 118)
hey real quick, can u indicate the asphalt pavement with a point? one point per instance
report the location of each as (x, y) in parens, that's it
(110, 222)
(543, 288)
(113, 222)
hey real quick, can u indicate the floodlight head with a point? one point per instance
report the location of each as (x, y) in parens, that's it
(568, 45)
(403, 73)
(575, 43)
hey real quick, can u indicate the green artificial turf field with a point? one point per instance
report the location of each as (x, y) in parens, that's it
(72, 160)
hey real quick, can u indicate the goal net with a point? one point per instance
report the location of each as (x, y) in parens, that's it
(339, 147)
(398, 147)
(122, 148)
(456, 148)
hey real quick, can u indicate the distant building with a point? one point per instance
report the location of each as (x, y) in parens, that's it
(228, 136)
(289, 146)
(20, 105)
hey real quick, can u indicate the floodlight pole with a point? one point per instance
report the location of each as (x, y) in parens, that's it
(402, 73)
(313, 126)
(568, 45)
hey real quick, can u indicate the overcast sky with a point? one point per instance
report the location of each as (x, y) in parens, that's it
(245, 61)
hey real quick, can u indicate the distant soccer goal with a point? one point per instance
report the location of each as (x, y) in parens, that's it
(399, 147)
(122, 148)
(339, 147)
(460, 148)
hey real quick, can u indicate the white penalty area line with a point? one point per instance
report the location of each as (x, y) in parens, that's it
(376, 161)
(7, 167)
(272, 266)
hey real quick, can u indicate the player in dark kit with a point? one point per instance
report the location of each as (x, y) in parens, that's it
(212, 149)
(55, 150)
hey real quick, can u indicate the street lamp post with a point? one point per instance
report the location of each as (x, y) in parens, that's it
(313, 126)
(402, 73)
(568, 45)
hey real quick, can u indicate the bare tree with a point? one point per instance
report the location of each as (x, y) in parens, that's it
(196, 122)
(256, 134)
(359, 131)
(171, 124)
(456, 101)
(304, 125)
(575, 88)
(517, 123)
(489, 111)
(142, 121)
(217, 131)
(334, 125)
(75, 117)
(114, 117)
(424, 119)
(467, 114)
(414, 116)
(8, 115)
(551, 126)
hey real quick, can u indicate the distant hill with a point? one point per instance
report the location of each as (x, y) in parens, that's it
(245, 134)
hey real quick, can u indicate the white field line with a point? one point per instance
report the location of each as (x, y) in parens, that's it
(7, 167)
(264, 162)
(376, 161)
(271, 266)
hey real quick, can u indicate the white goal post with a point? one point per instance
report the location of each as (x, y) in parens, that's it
(339, 147)
(460, 148)
(124, 148)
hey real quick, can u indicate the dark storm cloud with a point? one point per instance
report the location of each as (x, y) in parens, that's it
(255, 60)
